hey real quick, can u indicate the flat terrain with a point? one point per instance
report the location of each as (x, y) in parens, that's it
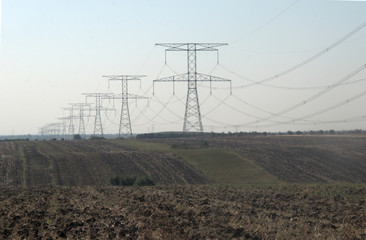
(184, 212)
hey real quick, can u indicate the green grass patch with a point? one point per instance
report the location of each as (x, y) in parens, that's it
(141, 145)
(219, 165)
(226, 168)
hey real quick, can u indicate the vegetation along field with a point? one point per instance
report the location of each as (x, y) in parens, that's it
(247, 187)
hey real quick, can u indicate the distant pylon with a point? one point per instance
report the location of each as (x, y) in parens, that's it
(81, 108)
(98, 127)
(192, 116)
(125, 128)
(71, 121)
(63, 126)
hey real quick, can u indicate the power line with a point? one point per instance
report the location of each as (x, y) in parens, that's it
(303, 63)
(282, 87)
(266, 23)
(313, 97)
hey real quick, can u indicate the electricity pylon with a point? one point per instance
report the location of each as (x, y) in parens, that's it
(125, 128)
(63, 126)
(81, 108)
(71, 120)
(51, 129)
(192, 116)
(98, 127)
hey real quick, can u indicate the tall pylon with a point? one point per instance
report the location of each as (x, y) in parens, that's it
(192, 115)
(125, 128)
(98, 127)
(81, 109)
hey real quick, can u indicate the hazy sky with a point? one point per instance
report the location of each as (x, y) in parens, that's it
(54, 50)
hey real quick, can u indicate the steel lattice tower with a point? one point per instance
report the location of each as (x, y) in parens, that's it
(192, 116)
(63, 124)
(81, 107)
(98, 127)
(71, 120)
(125, 120)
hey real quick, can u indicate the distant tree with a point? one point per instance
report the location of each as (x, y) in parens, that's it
(144, 181)
(131, 181)
(77, 137)
(96, 137)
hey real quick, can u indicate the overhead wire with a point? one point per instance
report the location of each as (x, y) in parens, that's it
(306, 121)
(327, 109)
(217, 106)
(299, 65)
(313, 97)
(282, 87)
(266, 23)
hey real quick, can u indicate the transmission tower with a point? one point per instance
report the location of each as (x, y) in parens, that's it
(63, 126)
(81, 109)
(125, 128)
(51, 129)
(192, 116)
(71, 120)
(98, 127)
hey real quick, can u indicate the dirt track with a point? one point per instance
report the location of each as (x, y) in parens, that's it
(184, 212)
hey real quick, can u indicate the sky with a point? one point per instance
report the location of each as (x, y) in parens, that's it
(293, 64)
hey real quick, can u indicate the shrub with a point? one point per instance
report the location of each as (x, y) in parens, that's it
(144, 181)
(93, 137)
(77, 137)
(131, 181)
(128, 181)
(115, 181)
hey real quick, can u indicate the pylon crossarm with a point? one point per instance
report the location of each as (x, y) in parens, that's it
(127, 96)
(133, 96)
(208, 78)
(184, 46)
(176, 78)
(128, 77)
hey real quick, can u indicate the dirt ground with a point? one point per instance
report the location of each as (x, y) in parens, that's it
(184, 212)
(87, 163)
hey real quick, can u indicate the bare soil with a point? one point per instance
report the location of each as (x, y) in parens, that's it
(86, 163)
(184, 212)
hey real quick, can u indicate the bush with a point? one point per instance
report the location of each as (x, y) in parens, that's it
(76, 137)
(93, 137)
(128, 181)
(144, 181)
(115, 181)
(131, 181)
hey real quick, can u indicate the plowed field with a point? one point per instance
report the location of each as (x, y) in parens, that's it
(82, 163)
(184, 212)
(297, 159)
